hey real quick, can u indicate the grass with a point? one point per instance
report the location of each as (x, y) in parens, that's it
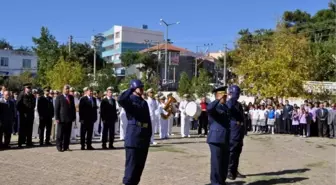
(166, 148)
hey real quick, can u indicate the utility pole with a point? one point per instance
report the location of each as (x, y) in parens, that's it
(97, 41)
(70, 43)
(224, 66)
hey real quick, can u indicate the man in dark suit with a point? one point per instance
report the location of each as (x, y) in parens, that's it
(322, 120)
(65, 114)
(45, 109)
(7, 116)
(108, 112)
(287, 117)
(87, 117)
(25, 105)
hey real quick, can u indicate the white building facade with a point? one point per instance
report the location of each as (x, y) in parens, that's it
(13, 63)
(120, 39)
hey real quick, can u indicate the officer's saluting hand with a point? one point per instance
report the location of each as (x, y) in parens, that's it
(138, 133)
(219, 135)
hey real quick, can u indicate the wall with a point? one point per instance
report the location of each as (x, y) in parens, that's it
(15, 62)
(135, 35)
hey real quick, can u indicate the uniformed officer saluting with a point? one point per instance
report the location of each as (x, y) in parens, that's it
(237, 131)
(218, 137)
(139, 131)
(25, 105)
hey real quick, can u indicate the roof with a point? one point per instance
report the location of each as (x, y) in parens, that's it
(170, 47)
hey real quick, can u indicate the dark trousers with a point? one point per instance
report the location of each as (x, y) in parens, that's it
(332, 131)
(45, 124)
(295, 129)
(236, 148)
(219, 162)
(135, 163)
(86, 131)
(314, 128)
(288, 126)
(108, 129)
(15, 125)
(303, 129)
(26, 128)
(278, 125)
(203, 123)
(6, 132)
(322, 128)
(63, 135)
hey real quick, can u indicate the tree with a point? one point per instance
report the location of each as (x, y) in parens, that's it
(184, 86)
(124, 84)
(14, 83)
(153, 82)
(4, 44)
(24, 49)
(203, 86)
(106, 78)
(65, 72)
(275, 67)
(147, 62)
(46, 48)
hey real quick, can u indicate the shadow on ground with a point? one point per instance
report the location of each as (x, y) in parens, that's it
(278, 181)
(282, 172)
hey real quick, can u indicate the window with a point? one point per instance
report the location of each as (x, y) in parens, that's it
(116, 45)
(117, 56)
(26, 63)
(117, 35)
(4, 61)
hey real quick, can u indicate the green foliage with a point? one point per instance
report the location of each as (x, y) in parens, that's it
(147, 62)
(65, 72)
(14, 83)
(153, 82)
(264, 66)
(185, 86)
(125, 83)
(203, 86)
(4, 44)
(46, 48)
(106, 78)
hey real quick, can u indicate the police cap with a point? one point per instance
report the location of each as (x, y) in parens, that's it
(220, 89)
(28, 85)
(162, 97)
(109, 89)
(46, 88)
(150, 90)
(170, 94)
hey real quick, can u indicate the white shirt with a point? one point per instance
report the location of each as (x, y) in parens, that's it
(183, 106)
(152, 106)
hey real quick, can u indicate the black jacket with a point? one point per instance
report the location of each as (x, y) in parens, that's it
(65, 112)
(108, 111)
(88, 110)
(26, 103)
(7, 112)
(45, 107)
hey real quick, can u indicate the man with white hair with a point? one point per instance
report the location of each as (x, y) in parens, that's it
(152, 107)
(7, 116)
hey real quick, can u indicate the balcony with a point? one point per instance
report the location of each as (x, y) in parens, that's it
(107, 43)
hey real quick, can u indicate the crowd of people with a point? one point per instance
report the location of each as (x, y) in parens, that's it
(308, 119)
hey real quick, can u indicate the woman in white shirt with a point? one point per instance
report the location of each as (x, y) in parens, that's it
(254, 113)
(262, 119)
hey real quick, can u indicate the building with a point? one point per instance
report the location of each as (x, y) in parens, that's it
(120, 39)
(14, 63)
(179, 60)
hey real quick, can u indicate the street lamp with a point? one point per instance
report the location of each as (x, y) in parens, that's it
(166, 49)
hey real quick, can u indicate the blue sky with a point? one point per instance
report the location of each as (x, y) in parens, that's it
(202, 22)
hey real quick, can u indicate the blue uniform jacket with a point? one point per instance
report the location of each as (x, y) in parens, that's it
(219, 119)
(237, 115)
(139, 127)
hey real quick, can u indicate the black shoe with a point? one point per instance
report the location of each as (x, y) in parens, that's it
(20, 146)
(231, 176)
(48, 143)
(104, 147)
(111, 147)
(59, 149)
(30, 145)
(239, 175)
(41, 144)
(90, 148)
(83, 148)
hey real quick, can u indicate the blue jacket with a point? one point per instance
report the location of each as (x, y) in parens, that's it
(139, 127)
(237, 115)
(219, 123)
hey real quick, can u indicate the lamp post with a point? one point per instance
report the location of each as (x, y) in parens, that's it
(166, 49)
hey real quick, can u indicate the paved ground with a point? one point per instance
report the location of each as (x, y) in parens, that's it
(266, 159)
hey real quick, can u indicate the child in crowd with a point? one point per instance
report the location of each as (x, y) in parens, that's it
(254, 113)
(278, 119)
(271, 119)
(262, 119)
(303, 115)
(295, 121)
